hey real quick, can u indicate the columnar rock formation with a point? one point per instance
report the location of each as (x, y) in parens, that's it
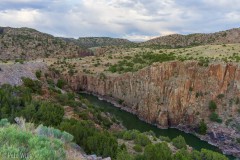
(171, 93)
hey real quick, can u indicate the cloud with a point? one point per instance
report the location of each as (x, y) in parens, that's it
(132, 19)
(138, 38)
(18, 17)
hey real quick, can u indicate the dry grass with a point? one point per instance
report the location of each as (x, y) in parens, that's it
(99, 64)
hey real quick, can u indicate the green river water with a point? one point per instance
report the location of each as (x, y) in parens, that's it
(131, 121)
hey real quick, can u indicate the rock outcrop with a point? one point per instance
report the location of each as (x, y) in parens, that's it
(169, 94)
(12, 73)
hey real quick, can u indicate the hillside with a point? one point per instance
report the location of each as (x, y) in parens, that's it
(26, 43)
(90, 42)
(177, 40)
(68, 124)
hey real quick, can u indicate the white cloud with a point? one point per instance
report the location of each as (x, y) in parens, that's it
(132, 19)
(226, 4)
(19, 1)
(232, 17)
(138, 38)
(16, 18)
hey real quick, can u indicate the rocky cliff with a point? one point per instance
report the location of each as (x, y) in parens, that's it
(169, 94)
(12, 73)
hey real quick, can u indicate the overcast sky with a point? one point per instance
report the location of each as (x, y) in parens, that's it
(131, 19)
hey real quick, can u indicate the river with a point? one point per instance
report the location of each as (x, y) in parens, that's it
(131, 121)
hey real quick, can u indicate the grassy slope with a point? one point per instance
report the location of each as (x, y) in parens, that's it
(99, 64)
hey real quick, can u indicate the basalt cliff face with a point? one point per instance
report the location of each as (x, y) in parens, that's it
(172, 93)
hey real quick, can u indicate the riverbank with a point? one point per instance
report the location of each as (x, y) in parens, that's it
(186, 129)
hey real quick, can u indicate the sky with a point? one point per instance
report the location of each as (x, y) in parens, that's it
(136, 20)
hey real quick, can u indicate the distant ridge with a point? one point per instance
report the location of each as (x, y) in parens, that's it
(89, 42)
(27, 43)
(177, 40)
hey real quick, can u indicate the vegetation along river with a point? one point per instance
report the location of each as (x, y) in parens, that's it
(131, 121)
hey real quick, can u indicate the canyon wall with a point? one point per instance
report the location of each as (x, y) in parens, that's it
(171, 93)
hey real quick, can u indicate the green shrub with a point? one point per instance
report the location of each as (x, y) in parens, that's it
(203, 62)
(21, 61)
(34, 85)
(90, 139)
(55, 133)
(128, 135)
(50, 82)
(112, 68)
(124, 155)
(215, 118)
(102, 144)
(210, 155)
(120, 101)
(123, 147)
(166, 139)
(182, 154)
(24, 143)
(137, 148)
(38, 74)
(142, 140)
(212, 106)
(202, 128)
(4, 122)
(50, 114)
(61, 83)
(84, 115)
(179, 142)
(150, 133)
(104, 120)
(159, 151)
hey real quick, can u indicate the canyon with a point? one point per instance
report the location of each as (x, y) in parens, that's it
(176, 94)
(165, 93)
(167, 87)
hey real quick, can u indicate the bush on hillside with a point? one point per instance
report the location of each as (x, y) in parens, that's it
(202, 128)
(60, 83)
(38, 74)
(212, 106)
(179, 142)
(159, 151)
(24, 144)
(34, 85)
(166, 139)
(142, 140)
(92, 140)
(137, 148)
(215, 118)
